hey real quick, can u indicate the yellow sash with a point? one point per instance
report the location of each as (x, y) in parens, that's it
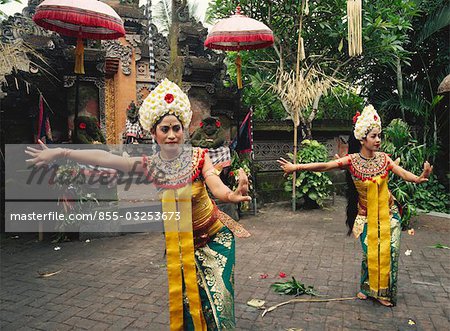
(378, 234)
(180, 258)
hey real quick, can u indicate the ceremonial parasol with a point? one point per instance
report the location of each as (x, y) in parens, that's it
(89, 19)
(239, 32)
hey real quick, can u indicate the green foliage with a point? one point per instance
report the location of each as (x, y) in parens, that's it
(341, 104)
(399, 143)
(292, 287)
(388, 32)
(313, 185)
(71, 181)
(431, 196)
(258, 94)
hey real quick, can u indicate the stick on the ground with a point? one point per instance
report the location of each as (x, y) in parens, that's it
(304, 300)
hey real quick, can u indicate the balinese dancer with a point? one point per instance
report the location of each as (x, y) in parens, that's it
(372, 215)
(199, 240)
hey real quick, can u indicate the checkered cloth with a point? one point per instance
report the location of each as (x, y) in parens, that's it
(220, 157)
(133, 129)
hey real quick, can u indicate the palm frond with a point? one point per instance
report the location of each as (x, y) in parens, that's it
(162, 15)
(439, 19)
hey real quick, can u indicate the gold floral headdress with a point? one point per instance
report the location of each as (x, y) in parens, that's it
(166, 98)
(366, 121)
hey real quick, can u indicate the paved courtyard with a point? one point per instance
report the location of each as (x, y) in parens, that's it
(120, 282)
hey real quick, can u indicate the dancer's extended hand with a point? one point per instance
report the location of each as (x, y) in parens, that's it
(288, 167)
(42, 156)
(427, 169)
(240, 194)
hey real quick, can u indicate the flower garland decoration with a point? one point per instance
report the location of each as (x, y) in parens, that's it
(366, 121)
(166, 98)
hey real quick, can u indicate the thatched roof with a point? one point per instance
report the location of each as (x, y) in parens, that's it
(444, 86)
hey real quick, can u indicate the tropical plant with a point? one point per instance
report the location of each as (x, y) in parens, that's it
(386, 32)
(399, 143)
(315, 186)
(265, 102)
(162, 14)
(340, 104)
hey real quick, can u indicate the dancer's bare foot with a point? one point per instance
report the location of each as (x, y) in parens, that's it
(385, 303)
(361, 296)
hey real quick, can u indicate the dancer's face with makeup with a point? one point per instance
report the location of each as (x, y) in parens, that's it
(168, 133)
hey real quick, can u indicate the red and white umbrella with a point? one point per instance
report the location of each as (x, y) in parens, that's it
(89, 19)
(239, 32)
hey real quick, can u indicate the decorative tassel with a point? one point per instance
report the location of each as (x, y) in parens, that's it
(239, 71)
(79, 57)
(354, 18)
(302, 50)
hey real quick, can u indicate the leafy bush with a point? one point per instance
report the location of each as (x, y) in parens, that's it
(341, 104)
(311, 185)
(428, 196)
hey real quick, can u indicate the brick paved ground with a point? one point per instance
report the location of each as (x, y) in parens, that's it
(120, 283)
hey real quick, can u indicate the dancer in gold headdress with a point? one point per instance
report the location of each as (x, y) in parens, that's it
(200, 238)
(372, 214)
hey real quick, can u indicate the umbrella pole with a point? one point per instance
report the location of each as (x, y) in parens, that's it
(239, 70)
(77, 105)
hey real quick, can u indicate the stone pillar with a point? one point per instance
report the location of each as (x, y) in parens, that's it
(120, 87)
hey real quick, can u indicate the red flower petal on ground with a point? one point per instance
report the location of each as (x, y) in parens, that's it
(82, 125)
(201, 124)
(282, 275)
(263, 276)
(169, 98)
(218, 124)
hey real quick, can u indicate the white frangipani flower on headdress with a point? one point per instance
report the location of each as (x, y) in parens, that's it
(166, 98)
(365, 122)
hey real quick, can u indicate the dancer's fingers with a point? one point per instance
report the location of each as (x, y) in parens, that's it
(30, 153)
(33, 149)
(42, 144)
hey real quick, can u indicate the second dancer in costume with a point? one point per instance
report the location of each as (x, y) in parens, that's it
(372, 215)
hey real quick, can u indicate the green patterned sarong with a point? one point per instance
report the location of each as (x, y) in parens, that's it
(215, 276)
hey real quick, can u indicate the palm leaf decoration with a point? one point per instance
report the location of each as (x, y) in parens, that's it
(293, 287)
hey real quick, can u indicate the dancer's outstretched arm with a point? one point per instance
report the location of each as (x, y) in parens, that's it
(409, 176)
(220, 190)
(94, 157)
(289, 167)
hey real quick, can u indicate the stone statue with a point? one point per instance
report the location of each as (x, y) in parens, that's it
(133, 130)
(209, 135)
(88, 131)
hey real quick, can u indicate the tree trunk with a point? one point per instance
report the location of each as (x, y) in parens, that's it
(175, 72)
(400, 84)
(308, 130)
